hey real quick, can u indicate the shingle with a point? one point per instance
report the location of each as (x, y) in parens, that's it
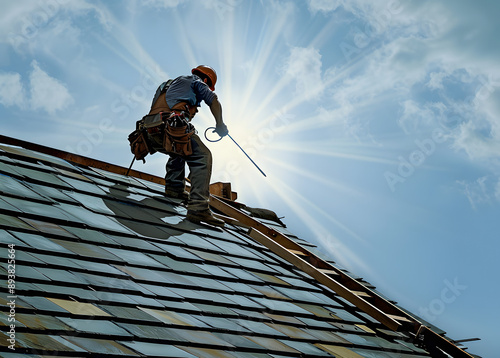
(157, 350)
(40, 156)
(237, 341)
(69, 292)
(40, 242)
(346, 352)
(42, 322)
(135, 257)
(9, 168)
(270, 279)
(242, 301)
(242, 288)
(234, 249)
(50, 192)
(270, 292)
(90, 235)
(15, 223)
(21, 255)
(176, 265)
(285, 319)
(94, 220)
(90, 202)
(8, 238)
(179, 305)
(42, 303)
(79, 308)
(174, 318)
(88, 250)
(357, 339)
(134, 243)
(272, 344)
(52, 260)
(208, 353)
(5, 206)
(305, 348)
(215, 271)
(280, 306)
(48, 228)
(44, 342)
(152, 332)
(200, 337)
(197, 242)
(129, 313)
(144, 274)
(214, 309)
(242, 274)
(101, 346)
(161, 290)
(250, 264)
(291, 331)
(261, 328)
(100, 282)
(81, 185)
(30, 273)
(146, 301)
(223, 323)
(209, 283)
(41, 177)
(114, 297)
(179, 252)
(327, 336)
(95, 326)
(12, 186)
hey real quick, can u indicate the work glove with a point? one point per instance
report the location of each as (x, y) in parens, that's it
(221, 130)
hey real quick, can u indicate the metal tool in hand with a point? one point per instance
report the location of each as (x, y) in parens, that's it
(216, 140)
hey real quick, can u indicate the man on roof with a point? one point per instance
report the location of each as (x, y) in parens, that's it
(182, 98)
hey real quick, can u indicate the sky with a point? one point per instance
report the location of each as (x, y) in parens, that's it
(377, 123)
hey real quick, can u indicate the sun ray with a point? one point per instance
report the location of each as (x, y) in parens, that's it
(303, 207)
(311, 177)
(311, 149)
(269, 36)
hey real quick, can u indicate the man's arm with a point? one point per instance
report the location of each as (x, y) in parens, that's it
(216, 109)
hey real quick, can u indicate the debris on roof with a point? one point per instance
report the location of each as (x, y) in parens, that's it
(107, 266)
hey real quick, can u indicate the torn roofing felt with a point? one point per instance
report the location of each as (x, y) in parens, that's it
(106, 266)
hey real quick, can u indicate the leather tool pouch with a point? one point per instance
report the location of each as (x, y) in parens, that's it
(147, 137)
(139, 145)
(178, 133)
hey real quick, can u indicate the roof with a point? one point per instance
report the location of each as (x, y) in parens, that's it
(107, 266)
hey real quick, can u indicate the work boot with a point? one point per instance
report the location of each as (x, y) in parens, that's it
(204, 215)
(176, 194)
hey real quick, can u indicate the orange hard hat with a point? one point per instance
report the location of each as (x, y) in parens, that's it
(207, 71)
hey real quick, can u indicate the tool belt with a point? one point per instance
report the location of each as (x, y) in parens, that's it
(178, 133)
(165, 132)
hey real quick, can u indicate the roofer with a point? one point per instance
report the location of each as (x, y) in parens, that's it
(180, 99)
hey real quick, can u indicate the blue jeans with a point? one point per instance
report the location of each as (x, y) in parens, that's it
(200, 171)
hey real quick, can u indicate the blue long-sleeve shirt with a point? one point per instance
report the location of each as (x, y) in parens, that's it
(190, 89)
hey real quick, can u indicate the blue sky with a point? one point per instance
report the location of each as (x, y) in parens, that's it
(377, 123)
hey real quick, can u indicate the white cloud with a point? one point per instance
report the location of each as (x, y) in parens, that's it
(11, 90)
(30, 26)
(477, 142)
(164, 3)
(47, 93)
(417, 116)
(323, 5)
(477, 192)
(304, 67)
